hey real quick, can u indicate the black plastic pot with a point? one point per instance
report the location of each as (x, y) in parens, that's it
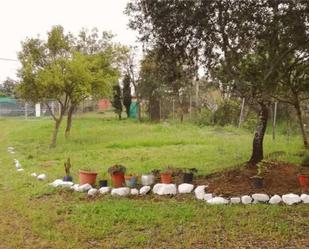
(103, 183)
(257, 182)
(68, 179)
(187, 177)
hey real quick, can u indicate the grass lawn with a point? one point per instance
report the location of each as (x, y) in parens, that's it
(34, 215)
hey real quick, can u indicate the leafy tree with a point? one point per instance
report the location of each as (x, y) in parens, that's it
(8, 88)
(242, 43)
(116, 103)
(126, 93)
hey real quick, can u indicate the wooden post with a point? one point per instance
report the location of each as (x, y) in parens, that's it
(160, 109)
(274, 120)
(190, 108)
(241, 112)
(173, 109)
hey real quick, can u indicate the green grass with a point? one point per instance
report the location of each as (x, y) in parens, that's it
(33, 215)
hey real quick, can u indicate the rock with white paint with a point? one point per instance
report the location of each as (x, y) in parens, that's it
(104, 190)
(41, 177)
(235, 200)
(144, 190)
(75, 187)
(260, 198)
(66, 184)
(83, 188)
(276, 199)
(208, 196)
(92, 192)
(33, 174)
(17, 165)
(200, 192)
(124, 191)
(56, 183)
(20, 170)
(291, 199)
(185, 188)
(134, 191)
(164, 189)
(246, 199)
(305, 198)
(10, 148)
(218, 201)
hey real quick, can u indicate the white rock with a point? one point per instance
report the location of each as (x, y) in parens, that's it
(124, 191)
(246, 199)
(260, 197)
(92, 192)
(75, 187)
(41, 177)
(66, 184)
(276, 199)
(144, 190)
(84, 187)
(164, 189)
(12, 152)
(218, 201)
(200, 192)
(10, 148)
(20, 170)
(235, 200)
(134, 191)
(291, 199)
(208, 196)
(17, 165)
(56, 183)
(33, 175)
(104, 190)
(305, 198)
(185, 188)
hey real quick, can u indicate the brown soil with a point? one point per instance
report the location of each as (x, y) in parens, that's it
(279, 178)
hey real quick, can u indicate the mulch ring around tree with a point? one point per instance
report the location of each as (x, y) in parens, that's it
(279, 178)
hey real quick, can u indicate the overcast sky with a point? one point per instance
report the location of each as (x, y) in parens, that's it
(27, 18)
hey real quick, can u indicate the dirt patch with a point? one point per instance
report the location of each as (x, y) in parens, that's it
(279, 178)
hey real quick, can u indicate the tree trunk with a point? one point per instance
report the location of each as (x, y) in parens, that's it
(257, 150)
(301, 123)
(55, 133)
(69, 121)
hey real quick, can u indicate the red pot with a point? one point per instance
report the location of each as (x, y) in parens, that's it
(166, 178)
(87, 177)
(304, 181)
(118, 179)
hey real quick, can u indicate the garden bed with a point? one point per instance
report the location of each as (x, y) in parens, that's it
(279, 178)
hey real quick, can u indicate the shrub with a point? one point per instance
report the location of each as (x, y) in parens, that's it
(227, 113)
(305, 161)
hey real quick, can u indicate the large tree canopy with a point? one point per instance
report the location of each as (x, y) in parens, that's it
(242, 43)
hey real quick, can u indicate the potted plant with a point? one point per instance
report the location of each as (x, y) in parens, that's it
(67, 168)
(303, 177)
(166, 175)
(130, 180)
(103, 180)
(87, 175)
(147, 179)
(188, 175)
(258, 179)
(117, 175)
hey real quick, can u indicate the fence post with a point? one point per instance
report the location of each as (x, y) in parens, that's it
(241, 112)
(274, 120)
(26, 110)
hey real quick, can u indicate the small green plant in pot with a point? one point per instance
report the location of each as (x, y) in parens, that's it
(188, 175)
(103, 182)
(303, 177)
(167, 175)
(258, 179)
(117, 174)
(67, 169)
(87, 175)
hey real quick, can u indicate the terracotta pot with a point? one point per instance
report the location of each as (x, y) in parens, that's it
(131, 181)
(87, 177)
(304, 181)
(118, 179)
(166, 178)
